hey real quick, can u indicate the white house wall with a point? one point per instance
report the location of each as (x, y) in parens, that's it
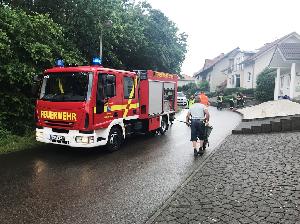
(217, 76)
(208, 78)
(297, 82)
(261, 63)
(242, 78)
(237, 69)
(229, 81)
(284, 87)
(248, 84)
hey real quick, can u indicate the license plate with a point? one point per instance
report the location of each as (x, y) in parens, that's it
(57, 138)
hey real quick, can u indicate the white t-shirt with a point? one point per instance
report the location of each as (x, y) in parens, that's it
(197, 111)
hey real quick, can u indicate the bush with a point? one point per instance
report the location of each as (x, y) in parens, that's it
(227, 98)
(265, 85)
(3, 134)
(230, 91)
(248, 92)
(192, 88)
(211, 94)
(204, 86)
(28, 45)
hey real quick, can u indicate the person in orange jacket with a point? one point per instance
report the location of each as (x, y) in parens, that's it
(204, 99)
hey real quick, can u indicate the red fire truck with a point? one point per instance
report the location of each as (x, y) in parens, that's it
(90, 106)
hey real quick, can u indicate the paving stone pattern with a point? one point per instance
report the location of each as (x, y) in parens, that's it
(249, 179)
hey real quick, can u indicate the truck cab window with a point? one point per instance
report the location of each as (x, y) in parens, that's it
(109, 86)
(106, 89)
(129, 91)
(66, 87)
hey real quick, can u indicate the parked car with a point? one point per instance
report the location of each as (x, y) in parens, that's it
(181, 99)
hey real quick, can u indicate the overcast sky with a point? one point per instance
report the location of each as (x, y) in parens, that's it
(219, 26)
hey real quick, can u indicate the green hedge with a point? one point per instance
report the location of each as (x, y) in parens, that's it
(265, 85)
(227, 98)
(230, 91)
(192, 88)
(28, 45)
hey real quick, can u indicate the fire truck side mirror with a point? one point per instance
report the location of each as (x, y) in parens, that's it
(37, 78)
(36, 84)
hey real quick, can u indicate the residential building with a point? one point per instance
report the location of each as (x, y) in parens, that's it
(254, 65)
(241, 68)
(186, 80)
(286, 60)
(213, 70)
(235, 71)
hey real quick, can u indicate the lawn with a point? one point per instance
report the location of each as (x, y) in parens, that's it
(13, 143)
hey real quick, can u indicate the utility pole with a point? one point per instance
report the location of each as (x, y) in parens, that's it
(107, 24)
(100, 43)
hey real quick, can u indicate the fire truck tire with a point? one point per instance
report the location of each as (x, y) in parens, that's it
(151, 133)
(115, 139)
(163, 126)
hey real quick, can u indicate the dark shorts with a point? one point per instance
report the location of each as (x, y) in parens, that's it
(197, 130)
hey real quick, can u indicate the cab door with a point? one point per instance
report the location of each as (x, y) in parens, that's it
(130, 95)
(108, 99)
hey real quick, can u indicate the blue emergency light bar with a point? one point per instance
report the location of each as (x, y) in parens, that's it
(97, 61)
(59, 63)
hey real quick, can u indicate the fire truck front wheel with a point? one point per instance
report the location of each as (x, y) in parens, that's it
(115, 139)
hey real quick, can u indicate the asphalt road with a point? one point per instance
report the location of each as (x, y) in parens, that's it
(55, 184)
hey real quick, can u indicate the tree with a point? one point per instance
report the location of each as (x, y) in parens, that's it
(140, 38)
(204, 86)
(28, 45)
(35, 32)
(265, 85)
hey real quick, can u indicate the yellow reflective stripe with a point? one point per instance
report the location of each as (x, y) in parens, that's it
(60, 86)
(134, 105)
(130, 99)
(118, 107)
(95, 110)
(124, 107)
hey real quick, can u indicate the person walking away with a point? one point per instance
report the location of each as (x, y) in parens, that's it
(219, 101)
(198, 114)
(191, 101)
(204, 99)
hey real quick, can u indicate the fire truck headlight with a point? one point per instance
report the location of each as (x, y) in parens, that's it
(78, 139)
(84, 139)
(39, 134)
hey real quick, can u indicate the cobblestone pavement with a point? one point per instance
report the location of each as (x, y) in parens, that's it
(249, 179)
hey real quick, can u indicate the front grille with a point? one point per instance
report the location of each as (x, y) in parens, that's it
(60, 130)
(59, 123)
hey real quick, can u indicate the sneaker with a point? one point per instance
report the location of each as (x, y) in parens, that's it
(195, 152)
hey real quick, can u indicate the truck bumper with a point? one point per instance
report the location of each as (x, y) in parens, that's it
(73, 138)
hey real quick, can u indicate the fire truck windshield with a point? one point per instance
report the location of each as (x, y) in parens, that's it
(66, 87)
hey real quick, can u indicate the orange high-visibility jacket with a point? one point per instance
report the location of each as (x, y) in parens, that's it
(204, 99)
